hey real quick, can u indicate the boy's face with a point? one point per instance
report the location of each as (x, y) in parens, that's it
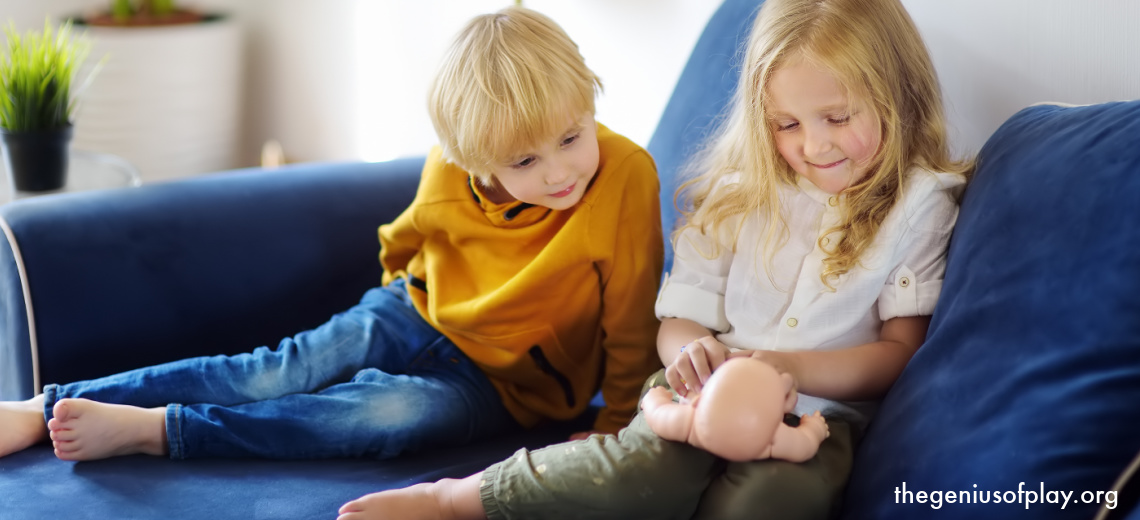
(554, 174)
(825, 136)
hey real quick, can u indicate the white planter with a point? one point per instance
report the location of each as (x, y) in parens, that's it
(168, 99)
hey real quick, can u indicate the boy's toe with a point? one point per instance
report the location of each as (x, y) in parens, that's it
(63, 435)
(61, 412)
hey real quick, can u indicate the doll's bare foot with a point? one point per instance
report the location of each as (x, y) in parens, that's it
(446, 499)
(21, 424)
(815, 425)
(87, 430)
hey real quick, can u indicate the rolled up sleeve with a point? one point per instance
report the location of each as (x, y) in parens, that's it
(695, 287)
(913, 287)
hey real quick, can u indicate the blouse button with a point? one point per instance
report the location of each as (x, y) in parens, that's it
(904, 282)
(792, 322)
(825, 241)
(833, 201)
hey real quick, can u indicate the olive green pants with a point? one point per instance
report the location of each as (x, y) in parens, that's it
(636, 474)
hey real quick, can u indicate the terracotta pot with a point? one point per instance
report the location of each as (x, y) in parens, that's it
(178, 17)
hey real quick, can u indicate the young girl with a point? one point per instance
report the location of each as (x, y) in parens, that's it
(815, 241)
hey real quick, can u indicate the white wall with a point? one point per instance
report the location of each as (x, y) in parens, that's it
(29, 14)
(993, 58)
(637, 47)
(347, 79)
(996, 57)
(301, 86)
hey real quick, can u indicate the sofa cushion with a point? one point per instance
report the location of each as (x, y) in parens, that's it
(701, 95)
(1030, 374)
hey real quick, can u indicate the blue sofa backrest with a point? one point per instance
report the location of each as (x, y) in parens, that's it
(120, 279)
(101, 266)
(700, 97)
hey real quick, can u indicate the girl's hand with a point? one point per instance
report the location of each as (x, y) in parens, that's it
(783, 362)
(691, 370)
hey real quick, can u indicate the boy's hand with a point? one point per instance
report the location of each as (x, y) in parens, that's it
(691, 370)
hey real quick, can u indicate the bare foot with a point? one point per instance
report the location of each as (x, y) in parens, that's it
(87, 430)
(418, 502)
(21, 424)
(815, 427)
(446, 499)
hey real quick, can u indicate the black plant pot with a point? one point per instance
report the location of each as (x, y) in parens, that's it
(37, 160)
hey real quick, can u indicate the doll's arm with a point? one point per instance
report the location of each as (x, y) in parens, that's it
(801, 443)
(669, 420)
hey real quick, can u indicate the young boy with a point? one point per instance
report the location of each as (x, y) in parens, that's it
(521, 279)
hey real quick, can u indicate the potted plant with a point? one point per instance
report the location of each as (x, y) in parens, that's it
(36, 104)
(169, 99)
(144, 13)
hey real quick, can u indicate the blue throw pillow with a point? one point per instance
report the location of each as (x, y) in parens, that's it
(1028, 386)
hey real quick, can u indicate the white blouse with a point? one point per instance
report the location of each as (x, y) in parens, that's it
(900, 274)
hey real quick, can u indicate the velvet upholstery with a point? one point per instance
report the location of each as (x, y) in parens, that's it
(699, 100)
(226, 262)
(35, 485)
(1029, 372)
(1031, 368)
(129, 278)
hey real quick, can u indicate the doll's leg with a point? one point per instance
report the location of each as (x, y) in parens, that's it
(777, 489)
(634, 474)
(382, 331)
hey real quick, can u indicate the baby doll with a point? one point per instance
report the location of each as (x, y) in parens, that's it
(738, 416)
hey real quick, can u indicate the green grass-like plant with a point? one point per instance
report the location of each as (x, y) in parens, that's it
(36, 77)
(122, 10)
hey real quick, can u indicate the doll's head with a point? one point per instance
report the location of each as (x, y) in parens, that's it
(738, 411)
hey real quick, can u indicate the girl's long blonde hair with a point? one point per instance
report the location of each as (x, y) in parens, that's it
(874, 50)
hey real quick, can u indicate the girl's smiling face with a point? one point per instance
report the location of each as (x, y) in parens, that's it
(824, 134)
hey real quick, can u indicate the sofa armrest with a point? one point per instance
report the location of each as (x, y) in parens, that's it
(100, 282)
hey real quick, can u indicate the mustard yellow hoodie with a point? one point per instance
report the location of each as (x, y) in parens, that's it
(549, 304)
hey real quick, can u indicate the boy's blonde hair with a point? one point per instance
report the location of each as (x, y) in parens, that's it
(510, 80)
(874, 50)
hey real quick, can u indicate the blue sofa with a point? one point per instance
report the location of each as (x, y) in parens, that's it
(1028, 381)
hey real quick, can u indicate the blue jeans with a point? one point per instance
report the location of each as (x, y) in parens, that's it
(375, 380)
